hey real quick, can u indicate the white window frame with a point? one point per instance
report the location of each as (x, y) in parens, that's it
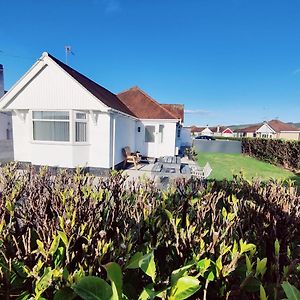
(72, 127)
(32, 119)
(86, 121)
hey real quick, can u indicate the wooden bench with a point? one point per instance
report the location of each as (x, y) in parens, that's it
(130, 157)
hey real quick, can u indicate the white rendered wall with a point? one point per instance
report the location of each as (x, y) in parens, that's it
(157, 149)
(94, 153)
(125, 130)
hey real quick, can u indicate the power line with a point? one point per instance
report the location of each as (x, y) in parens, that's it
(3, 53)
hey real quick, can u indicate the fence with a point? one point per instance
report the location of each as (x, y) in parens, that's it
(218, 146)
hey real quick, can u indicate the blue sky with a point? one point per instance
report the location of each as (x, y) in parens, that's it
(227, 61)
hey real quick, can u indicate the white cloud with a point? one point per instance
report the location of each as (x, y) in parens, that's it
(199, 112)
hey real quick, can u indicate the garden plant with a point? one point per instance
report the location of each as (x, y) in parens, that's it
(75, 236)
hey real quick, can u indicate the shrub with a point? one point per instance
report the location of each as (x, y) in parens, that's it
(227, 239)
(278, 152)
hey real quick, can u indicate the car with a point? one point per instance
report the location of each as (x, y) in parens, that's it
(205, 137)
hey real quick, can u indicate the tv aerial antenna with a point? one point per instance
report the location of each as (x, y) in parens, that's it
(68, 51)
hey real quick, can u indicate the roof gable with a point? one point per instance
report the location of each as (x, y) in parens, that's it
(143, 106)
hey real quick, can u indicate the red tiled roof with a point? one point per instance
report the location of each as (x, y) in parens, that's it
(143, 106)
(279, 126)
(276, 125)
(176, 109)
(104, 95)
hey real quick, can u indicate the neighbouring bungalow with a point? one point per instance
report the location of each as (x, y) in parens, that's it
(5, 117)
(63, 119)
(273, 129)
(212, 131)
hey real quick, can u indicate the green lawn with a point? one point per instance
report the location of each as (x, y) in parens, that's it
(225, 165)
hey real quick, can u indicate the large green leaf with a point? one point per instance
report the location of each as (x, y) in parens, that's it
(134, 261)
(65, 293)
(93, 288)
(147, 264)
(291, 292)
(184, 288)
(114, 274)
(176, 274)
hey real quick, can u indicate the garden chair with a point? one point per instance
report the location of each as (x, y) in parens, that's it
(131, 157)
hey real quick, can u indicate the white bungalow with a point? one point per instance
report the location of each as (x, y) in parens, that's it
(63, 119)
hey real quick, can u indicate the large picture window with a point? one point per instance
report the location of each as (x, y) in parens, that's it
(51, 126)
(149, 134)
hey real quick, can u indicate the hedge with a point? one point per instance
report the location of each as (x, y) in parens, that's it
(72, 235)
(278, 152)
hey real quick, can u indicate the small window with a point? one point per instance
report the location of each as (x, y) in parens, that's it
(139, 129)
(161, 133)
(81, 127)
(149, 134)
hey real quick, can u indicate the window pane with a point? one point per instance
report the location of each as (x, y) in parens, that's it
(51, 131)
(80, 134)
(51, 115)
(149, 134)
(161, 133)
(81, 116)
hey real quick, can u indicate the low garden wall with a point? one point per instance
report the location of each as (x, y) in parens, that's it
(278, 152)
(220, 146)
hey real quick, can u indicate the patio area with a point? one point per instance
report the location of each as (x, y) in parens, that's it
(166, 169)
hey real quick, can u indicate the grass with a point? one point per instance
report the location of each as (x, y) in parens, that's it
(225, 165)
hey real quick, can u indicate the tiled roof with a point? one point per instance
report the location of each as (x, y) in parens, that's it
(143, 106)
(276, 125)
(176, 109)
(104, 95)
(279, 126)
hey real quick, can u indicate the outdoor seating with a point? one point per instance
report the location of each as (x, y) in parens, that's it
(131, 157)
(202, 173)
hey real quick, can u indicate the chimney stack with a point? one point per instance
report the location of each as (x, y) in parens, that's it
(1, 81)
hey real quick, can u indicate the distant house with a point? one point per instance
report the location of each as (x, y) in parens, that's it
(62, 118)
(5, 117)
(212, 131)
(273, 129)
